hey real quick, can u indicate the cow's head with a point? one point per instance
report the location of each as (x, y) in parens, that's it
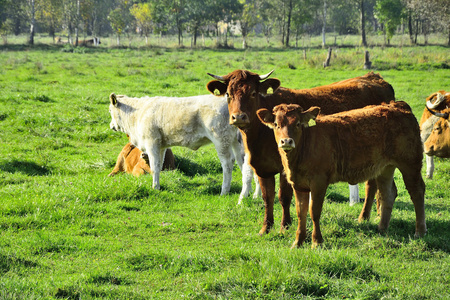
(114, 111)
(243, 90)
(438, 143)
(287, 122)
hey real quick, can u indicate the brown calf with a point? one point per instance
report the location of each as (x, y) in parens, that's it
(247, 92)
(352, 146)
(130, 161)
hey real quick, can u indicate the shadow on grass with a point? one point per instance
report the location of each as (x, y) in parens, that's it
(189, 168)
(26, 167)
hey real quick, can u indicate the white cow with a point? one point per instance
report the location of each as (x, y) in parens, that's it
(154, 124)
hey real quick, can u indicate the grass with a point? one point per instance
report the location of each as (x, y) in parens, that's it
(67, 231)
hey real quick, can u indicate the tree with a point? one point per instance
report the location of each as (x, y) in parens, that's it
(32, 21)
(120, 19)
(390, 13)
(142, 12)
(248, 18)
(117, 22)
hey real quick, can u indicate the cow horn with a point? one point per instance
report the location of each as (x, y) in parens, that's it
(438, 114)
(439, 99)
(262, 77)
(216, 77)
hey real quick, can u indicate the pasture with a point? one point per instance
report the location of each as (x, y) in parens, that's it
(67, 231)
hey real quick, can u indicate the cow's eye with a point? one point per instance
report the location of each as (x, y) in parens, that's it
(275, 124)
(298, 124)
(254, 94)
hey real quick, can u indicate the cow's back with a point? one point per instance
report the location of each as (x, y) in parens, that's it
(340, 96)
(366, 139)
(181, 121)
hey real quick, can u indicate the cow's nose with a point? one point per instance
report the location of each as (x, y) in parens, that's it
(287, 143)
(241, 118)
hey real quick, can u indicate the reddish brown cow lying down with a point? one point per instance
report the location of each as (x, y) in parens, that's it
(352, 146)
(130, 161)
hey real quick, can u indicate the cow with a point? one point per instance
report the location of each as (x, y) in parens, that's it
(435, 103)
(95, 41)
(438, 143)
(351, 146)
(131, 160)
(154, 124)
(247, 92)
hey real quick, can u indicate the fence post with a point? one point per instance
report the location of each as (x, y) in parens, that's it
(326, 63)
(367, 62)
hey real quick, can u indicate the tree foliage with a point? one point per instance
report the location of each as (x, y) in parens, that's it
(282, 18)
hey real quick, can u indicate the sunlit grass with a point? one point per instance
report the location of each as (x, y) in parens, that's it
(67, 231)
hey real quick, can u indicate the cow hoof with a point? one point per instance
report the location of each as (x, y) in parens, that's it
(316, 245)
(296, 244)
(264, 230)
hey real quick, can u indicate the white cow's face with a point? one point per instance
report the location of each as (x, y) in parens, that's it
(114, 125)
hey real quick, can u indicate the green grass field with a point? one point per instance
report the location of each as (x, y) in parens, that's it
(67, 231)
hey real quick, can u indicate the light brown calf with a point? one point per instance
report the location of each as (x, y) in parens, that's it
(130, 161)
(352, 146)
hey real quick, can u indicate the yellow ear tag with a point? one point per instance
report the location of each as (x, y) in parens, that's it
(216, 92)
(311, 123)
(269, 91)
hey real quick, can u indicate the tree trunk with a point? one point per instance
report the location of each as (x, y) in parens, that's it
(33, 21)
(324, 25)
(410, 28)
(195, 36)
(363, 25)
(288, 29)
(77, 23)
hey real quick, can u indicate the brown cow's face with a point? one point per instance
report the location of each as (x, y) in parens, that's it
(438, 143)
(288, 122)
(243, 90)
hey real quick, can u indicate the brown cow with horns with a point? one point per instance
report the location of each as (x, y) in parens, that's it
(351, 146)
(247, 92)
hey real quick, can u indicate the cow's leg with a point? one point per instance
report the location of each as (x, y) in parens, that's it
(301, 207)
(430, 166)
(318, 191)
(227, 161)
(371, 190)
(416, 189)
(285, 198)
(354, 194)
(386, 195)
(119, 167)
(155, 157)
(268, 195)
(247, 174)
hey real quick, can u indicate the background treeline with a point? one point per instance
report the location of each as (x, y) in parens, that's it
(287, 19)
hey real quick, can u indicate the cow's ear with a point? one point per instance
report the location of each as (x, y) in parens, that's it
(269, 86)
(266, 117)
(309, 116)
(113, 99)
(216, 87)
